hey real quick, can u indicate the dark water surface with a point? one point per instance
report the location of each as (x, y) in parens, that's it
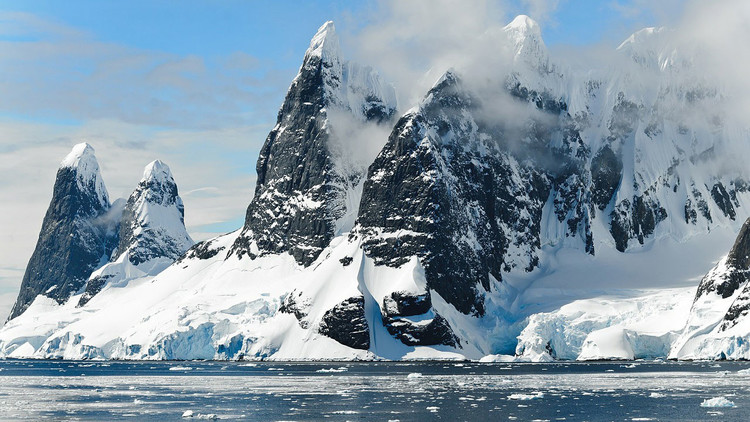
(86, 390)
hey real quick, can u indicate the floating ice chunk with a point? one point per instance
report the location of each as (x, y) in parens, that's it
(414, 375)
(717, 402)
(207, 416)
(187, 414)
(181, 368)
(497, 358)
(340, 369)
(744, 371)
(656, 395)
(521, 396)
(433, 409)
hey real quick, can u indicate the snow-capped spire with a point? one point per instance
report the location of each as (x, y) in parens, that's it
(75, 232)
(157, 170)
(82, 159)
(525, 37)
(153, 221)
(524, 25)
(325, 43)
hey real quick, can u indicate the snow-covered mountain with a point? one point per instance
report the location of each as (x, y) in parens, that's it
(152, 233)
(78, 233)
(529, 212)
(717, 327)
(307, 187)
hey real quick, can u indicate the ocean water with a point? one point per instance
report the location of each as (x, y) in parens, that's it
(379, 391)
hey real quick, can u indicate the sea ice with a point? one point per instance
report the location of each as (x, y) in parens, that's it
(717, 402)
(521, 396)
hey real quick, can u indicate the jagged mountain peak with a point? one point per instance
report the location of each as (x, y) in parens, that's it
(76, 234)
(325, 44)
(157, 186)
(152, 232)
(525, 37)
(82, 159)
(81, 154)
(157, 170)
(524, 25)
(643, 36)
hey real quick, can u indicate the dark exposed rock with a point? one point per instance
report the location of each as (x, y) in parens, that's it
(738, 310)
(77, 236)
(202, 250)
(459, 195)
(295, 305)
(606, 172)
(405, 304)
(723, 200)
(298, 194)
(635, 221)
(738, 268)
(436, 332)
(94, 286)
(347, 324)
(410, 318)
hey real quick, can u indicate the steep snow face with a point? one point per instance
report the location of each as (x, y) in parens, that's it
(308, 175)
(525, 36)
(661, 145)
(77, 233)
(152, 232)
(717, 327)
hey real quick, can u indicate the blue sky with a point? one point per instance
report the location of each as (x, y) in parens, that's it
(198, 85)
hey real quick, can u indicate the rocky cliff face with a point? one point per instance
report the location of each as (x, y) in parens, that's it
(303, 180)
(77, 235)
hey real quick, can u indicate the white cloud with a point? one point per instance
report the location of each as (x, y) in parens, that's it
(541, 10)
(414, 42)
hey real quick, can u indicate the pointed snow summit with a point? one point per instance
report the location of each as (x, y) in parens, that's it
(525, 36)
(152, 232)
(76, 234)
(153, 222)
(325, 44)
